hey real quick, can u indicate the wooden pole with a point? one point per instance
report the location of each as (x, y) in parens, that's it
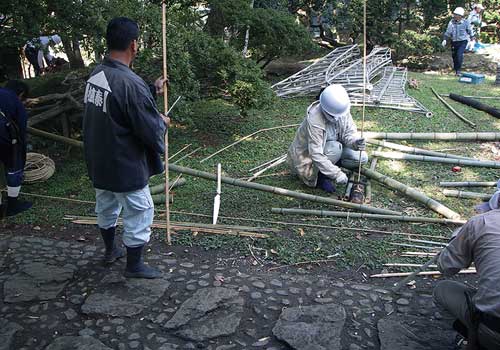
(414, 150)
(465, 120)
(435, 136)
(348, 215)
(55, 137)
(420, 158)
(412, 193)
(281, 191)
(165, 108)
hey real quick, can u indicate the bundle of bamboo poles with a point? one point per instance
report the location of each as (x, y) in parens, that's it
(243, 231)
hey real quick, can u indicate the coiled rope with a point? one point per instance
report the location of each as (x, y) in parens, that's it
(38, 168)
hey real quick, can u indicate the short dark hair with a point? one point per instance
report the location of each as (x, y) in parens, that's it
(121, 31)
(18, 87)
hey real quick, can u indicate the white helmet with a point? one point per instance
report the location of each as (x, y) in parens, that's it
(56, 39)
(479, 6)
(459, 11)
(335, 101)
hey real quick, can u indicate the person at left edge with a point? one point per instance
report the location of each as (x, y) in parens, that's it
(123, 141)
(13, 124)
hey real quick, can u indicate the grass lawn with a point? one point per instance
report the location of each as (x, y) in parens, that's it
(217, 123)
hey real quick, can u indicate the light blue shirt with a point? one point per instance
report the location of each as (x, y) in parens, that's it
(458, 30)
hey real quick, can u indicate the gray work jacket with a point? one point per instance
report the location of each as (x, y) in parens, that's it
(458, 30)
(478, 241)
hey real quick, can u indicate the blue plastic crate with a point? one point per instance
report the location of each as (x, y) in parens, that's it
(471, 78)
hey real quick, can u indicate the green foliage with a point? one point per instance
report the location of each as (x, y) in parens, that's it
(413, 44)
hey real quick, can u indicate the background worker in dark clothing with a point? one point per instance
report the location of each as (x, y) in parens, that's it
(477, 311)
(38, 49)
(124, 141)
(13, 123)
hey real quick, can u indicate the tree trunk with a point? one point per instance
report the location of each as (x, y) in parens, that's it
(247, 35)
(72, 50)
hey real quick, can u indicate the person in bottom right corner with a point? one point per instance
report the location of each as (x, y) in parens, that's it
(477, 311)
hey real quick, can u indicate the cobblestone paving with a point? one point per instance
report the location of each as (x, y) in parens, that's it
(57, 295)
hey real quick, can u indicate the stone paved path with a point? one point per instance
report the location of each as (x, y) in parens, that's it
(57, 295)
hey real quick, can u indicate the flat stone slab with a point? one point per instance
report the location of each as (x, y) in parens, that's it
(316, 327)
(7, 332)
(415, 333)
(77, 343)
(209, 313)
(118, 296)
(37, 281)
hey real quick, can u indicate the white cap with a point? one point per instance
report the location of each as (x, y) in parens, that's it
(335, 101)
(56, 39)
(459, 11)
(481, 7)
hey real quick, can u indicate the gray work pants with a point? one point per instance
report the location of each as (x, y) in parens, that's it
(348, 157)
(450, 296)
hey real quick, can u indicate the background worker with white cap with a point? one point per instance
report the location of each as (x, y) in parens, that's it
(38, 49)
(327, 136)
(475, 20)
(459, 31)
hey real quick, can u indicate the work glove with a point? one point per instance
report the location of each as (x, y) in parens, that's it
(341, 178)
(444, 43)
(360, 144)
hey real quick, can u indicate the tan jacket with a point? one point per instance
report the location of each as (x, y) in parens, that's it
(306, 155)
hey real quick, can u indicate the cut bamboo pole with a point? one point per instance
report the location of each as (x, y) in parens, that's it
(348, 215)
(468, 184)
(180, 151)
(407, 265)
(413, 246)
(186, 155)
(412, 193)
(264, 164)
(161, 187)
(467, 195)
(160, 198)
(414, 150)
(418, 254)
(435, 136)
(461, 117)
(54, 137)
(422, 273)
(247, 137)
(419, 158)
(281, 191)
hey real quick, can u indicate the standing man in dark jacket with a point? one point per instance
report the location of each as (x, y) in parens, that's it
(124, 140)
(13, 124)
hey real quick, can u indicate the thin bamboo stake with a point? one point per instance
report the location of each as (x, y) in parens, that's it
(413, 274)
(412, 246)
(247, 137)
(349, 215)
(435, 136)
(412, 193)
(272, 165)
(423, 273)
(414, 150)
(407, 265)
(427, 242)
(419, 158)
(281, 223)
(161, 187)
(465, 120)
(467, 195)
(180, 151)
(165, 108)
(187, 155)
(418, 254)
(302, 263)
(468, 184)
(266, 163)
(281, 191)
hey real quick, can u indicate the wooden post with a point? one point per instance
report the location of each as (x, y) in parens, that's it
(165, 108)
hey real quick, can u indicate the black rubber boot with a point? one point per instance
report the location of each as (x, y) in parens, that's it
(113, 252)
(15, 206)
(136, 267)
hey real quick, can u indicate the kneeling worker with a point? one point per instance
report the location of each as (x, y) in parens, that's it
(326, 137)
(477, 312)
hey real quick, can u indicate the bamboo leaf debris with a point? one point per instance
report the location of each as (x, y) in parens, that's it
(281, 191)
